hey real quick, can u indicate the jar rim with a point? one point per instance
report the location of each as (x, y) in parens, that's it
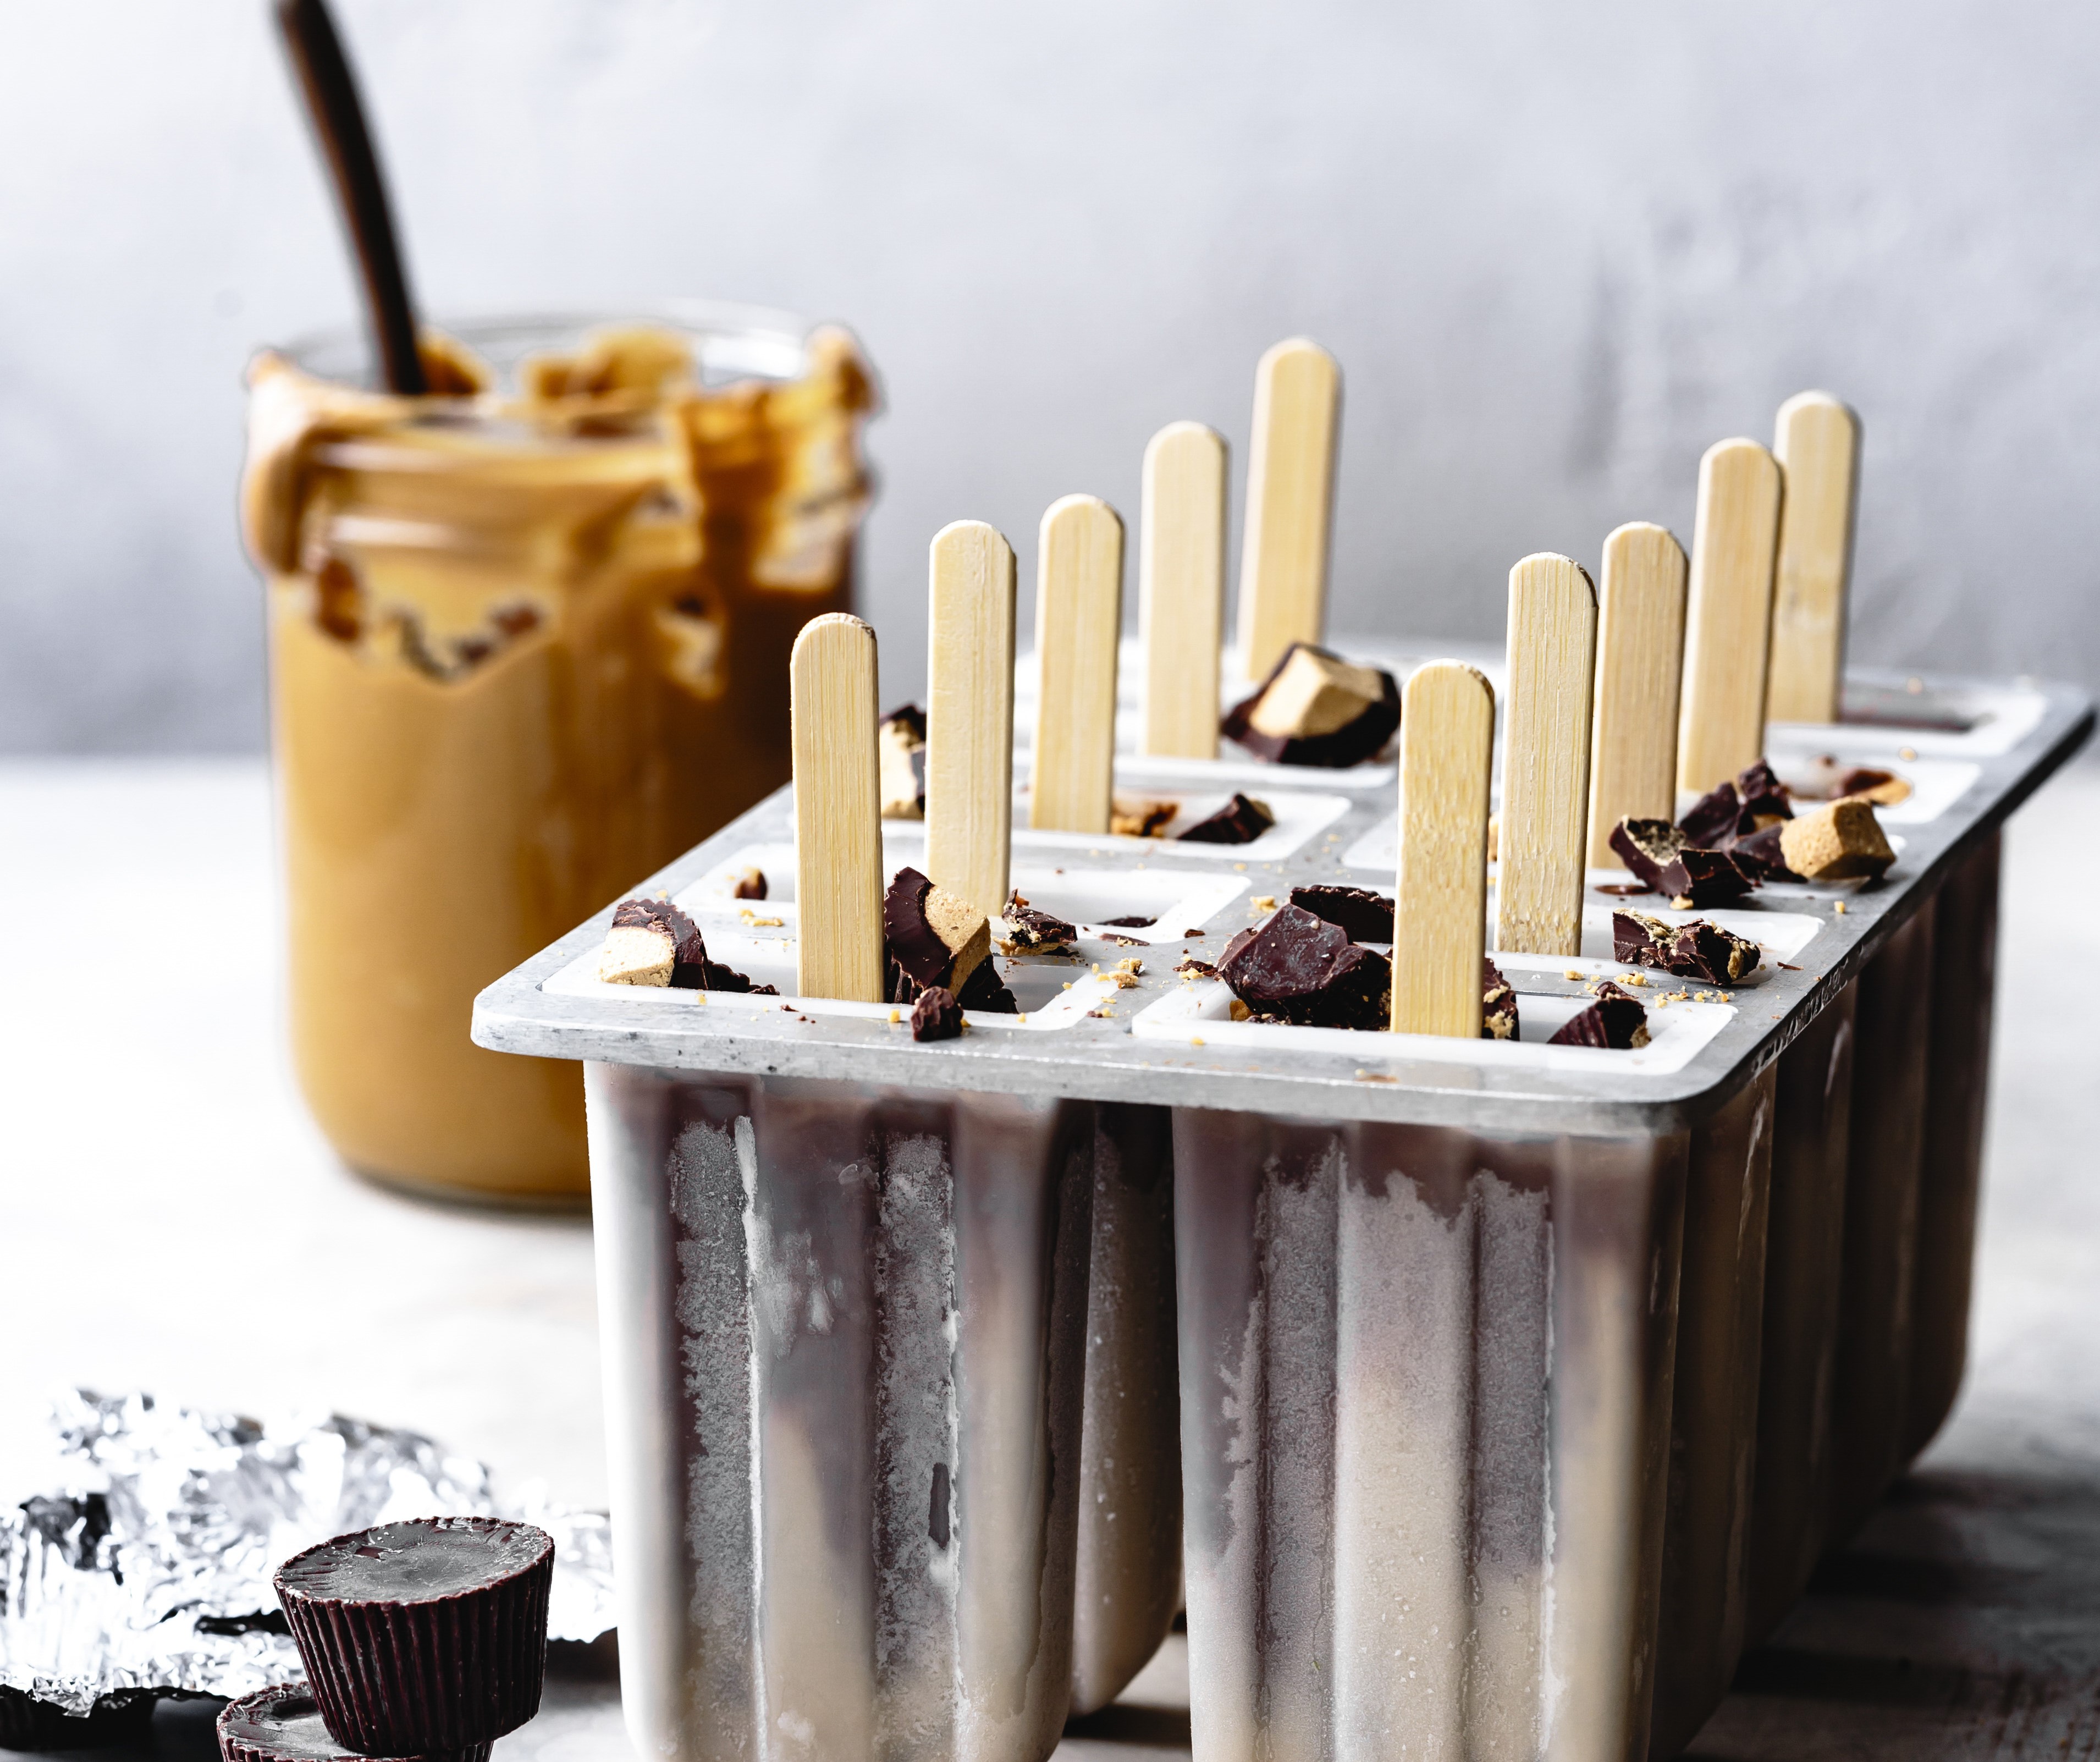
(731, 342)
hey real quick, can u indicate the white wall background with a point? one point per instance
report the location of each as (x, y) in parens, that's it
(1558, 248)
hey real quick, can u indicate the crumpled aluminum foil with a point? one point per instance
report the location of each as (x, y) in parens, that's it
(148, 1565)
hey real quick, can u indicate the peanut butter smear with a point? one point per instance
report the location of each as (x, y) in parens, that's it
(526, 647)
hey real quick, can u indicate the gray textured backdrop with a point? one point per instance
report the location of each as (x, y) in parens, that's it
(1558, 249)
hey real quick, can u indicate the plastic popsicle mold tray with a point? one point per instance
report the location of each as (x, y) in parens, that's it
(1450, 1314)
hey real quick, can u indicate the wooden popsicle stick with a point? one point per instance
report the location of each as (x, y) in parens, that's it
(1640, 659)
(1290, 501)
(1818, 449)
(1447, 734)
(838, 811)
(1078, 617)
(1181, 589)
(1546, 755)
(969, 713)
(1728, 624)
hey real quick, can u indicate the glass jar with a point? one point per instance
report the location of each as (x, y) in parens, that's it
(529, 639)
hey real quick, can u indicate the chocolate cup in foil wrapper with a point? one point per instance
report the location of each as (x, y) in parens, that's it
(142, 1565)
(284, 1725)
(425, 1636)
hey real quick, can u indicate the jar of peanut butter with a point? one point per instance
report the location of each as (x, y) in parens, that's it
(529, 640)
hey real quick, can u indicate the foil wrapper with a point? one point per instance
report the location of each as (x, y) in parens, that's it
(147, 1566)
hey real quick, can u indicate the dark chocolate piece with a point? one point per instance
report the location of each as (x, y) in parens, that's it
(1029, 931)
(1360, 737)
(984, 992)
(1648, 846)
(1759, 854)
(750, 885)
(1133, 922)
(1300, 968)
(1366, 916)
(1694, 879)
(1764, 797)
(424, 1635)
(1497, 1005)
(937, 1016)
(1195, 969)
(1617, 1021)
(284, 1725)
(1240, 820)
(1712, 820)
(1696, 950)
(123, 1719)
(934, 937)
(1124, 942)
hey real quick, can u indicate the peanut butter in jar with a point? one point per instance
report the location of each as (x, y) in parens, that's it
(529, 640)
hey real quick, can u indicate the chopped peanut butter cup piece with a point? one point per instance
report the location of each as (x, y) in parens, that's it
(1617, 1021)
(1498, 1020)
(1843, 841)
(900, 749)
(1140, 819)
(934, 937)
(1316, 709)
(1027, 931)
(1696, 950)
(1240, 820)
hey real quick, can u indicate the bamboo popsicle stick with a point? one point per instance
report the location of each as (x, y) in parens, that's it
(1640, 655)
(1291, 501)
(838, 811)
(1078, 616)
(969, 713)
(1818, 449)
(1727, 628)
(1447, 733)
(1546, 755)
(1181, 589)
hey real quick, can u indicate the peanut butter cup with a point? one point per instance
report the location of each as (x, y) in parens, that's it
(284, 1725)
(422, 1636)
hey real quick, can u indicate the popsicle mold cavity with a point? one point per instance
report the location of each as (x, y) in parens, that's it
(845, 1362)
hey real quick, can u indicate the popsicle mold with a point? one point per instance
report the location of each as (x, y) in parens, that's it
(1517, 1394)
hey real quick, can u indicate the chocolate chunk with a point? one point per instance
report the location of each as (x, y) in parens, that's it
(1133, 922)
(1617, 1021)
(1843, 841)
(1696, 950)
(1190, 967)
(1124, 942)
(750, 885)
(284, 1725)
(1648, 846)
(935, 936)
(1765, 799)
(1760, 856)
(1240, 820)
(900, 746)
(1300, 968)
(1713, 819)
(1497, 1005)
(1316, 708)
(1366, 916)
(937, 1016)
(986, 993)
(1141, 819)
(424, 1635)
(1696, 879)
(1029, 931)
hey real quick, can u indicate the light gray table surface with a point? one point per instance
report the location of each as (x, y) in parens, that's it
(167, 1211)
